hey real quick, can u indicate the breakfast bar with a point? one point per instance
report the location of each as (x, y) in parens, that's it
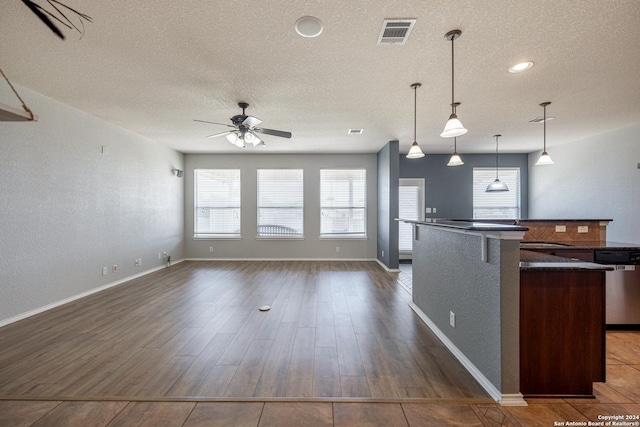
(503, 312)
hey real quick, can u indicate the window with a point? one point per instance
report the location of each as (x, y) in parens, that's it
(217, 203)
(496, 205)
(343, 209)
(280, 203)
(410, 206)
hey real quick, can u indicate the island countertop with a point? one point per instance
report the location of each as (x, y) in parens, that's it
(530, 260)
(466, 225)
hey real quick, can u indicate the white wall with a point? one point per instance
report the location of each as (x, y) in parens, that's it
(597, 177)
(312, 247)
(67, 209)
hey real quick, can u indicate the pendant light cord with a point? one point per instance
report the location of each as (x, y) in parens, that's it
(497, 156)
(544, 128)
(415, 113)
(453, 108)
(24, 106)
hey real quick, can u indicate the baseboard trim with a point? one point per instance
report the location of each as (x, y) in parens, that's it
(283, 259)
(515, 399)
(58, 303)
(390, 270)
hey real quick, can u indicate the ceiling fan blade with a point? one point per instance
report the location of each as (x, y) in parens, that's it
(251, 122)
(215, 135)
(280, 133)
(214, 123)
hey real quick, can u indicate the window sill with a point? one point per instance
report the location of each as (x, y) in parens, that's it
(219, 237)
(342, 237)
(279, 238)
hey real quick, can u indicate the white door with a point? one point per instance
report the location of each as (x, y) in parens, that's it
(410, 206)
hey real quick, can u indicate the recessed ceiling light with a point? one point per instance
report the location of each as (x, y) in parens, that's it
(523, 66)
(308, 26)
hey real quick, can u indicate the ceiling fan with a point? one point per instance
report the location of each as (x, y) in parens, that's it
(245, 129)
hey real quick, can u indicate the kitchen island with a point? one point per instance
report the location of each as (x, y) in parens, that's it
(467, 287)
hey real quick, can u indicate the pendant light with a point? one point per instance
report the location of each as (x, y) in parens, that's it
(455, 159)
(497, 185)
(544, 159)
(415, 152)
(453, 127)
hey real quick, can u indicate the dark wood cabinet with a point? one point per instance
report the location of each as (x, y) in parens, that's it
(562, 332)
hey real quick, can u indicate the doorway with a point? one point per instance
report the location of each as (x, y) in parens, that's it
(410, 206)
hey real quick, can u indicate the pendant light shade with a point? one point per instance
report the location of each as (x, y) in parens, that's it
(454, 126)
(497, 185)
(455, 159)
(415, 152)
(544, 159)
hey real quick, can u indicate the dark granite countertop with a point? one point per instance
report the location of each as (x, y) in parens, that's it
(467, 225)
(530, 260)
(591, 245)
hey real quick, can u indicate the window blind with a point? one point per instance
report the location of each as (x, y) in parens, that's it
(496, 205)
(343, 202)
(217, 203)
(409, 207)
(280, 203)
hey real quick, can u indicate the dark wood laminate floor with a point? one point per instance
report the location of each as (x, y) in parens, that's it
(187, 346)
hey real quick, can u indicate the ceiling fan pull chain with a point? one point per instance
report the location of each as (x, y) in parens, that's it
(24, 106)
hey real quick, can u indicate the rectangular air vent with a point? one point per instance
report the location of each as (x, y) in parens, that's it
(540, 119)
(395, 31)
(355, 131)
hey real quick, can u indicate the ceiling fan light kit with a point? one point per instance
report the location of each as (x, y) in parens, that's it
(454, 126)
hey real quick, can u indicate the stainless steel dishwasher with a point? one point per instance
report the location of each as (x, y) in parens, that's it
(623, 286)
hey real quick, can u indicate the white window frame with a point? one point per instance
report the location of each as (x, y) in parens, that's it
(294, 206)
(499, 204)
(227, 198)
(358, 203)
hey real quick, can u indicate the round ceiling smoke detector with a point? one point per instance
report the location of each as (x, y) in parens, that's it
(308, 26)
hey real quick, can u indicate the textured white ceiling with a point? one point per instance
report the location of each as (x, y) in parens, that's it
(153, 67)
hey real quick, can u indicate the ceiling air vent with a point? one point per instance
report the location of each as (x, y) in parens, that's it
(355, 131)
(395, 31)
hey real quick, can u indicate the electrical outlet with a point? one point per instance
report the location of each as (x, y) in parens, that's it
(210, 248)
(452, 319)
(583, 229)
(383, 253)
(115, 268)
(159, 255)
(337, 248)
(105, 270)
(139, 261)
(561, 228)
(434, 210)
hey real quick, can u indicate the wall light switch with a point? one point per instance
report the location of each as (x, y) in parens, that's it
(427, 210)
(583, 229)
(561, 228)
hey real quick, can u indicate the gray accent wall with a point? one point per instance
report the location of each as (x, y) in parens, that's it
(388, 182)
(312, 246)
(450, 276)
(597, 177)
(67, 209)
(449, 189)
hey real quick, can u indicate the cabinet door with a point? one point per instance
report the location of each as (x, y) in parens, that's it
(562, 332)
